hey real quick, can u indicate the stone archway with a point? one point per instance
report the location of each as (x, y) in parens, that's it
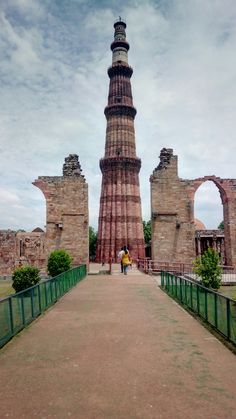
(227, 190)
(172, 206)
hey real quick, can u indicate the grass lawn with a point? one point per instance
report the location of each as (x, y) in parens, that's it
(228, 291)
(6, 288)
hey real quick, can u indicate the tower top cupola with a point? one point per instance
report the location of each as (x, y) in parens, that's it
(119, 46)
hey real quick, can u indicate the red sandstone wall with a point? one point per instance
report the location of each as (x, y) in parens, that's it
(21, 249)
(120, 221)
(30, 249)
(7, 252)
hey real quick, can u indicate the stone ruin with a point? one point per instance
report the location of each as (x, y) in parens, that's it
(21, 248)
(66, 223)
(172, 212)
(174, 238)
(72, 167)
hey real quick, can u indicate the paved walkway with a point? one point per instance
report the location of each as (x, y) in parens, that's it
(117, 347)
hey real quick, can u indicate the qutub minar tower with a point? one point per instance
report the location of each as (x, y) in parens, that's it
(120, 220)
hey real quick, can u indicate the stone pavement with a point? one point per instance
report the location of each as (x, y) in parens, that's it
(117, 347)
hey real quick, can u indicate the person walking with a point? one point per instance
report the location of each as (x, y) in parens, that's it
(120, 254)
(126, 260)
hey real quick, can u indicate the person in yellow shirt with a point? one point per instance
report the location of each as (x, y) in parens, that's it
(126, 260)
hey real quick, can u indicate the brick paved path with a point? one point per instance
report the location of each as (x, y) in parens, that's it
(117, 347)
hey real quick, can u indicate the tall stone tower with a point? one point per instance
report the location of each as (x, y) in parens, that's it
(120, 221)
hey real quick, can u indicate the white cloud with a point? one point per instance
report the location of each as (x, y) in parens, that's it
(29, 9)
(8, 197)
(54, 89)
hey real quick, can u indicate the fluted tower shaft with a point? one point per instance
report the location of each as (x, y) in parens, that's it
(120, 220)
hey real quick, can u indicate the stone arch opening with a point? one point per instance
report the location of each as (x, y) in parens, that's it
(208, 214)
(208, 206)
(40, 209)
(218, 241)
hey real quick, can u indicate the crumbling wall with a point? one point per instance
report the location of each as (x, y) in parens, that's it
(173, 232)
(21, 249)
(30, 249)
(172, 206)
(7, 252)
(67, 211)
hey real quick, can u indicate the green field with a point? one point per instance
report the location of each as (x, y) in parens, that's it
(228, 291)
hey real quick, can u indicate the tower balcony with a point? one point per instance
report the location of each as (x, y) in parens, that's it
(120, 69)
(113, 163)
(118, 23)
(120, 110)
(120, 44)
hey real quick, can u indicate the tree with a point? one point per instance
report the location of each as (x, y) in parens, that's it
(59, 261)
(25, 277)
(207, 267)
(221, 225)
(147, 231)
(93, 236)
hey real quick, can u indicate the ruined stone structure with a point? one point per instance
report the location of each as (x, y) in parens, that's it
(210, 238)
(21, 248)
(120, 221)
(66, 223)
(66, 211)
(172, 206)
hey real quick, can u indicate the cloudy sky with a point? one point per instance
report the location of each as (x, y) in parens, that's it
(54, 55)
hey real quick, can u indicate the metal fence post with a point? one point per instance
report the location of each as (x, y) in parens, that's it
(46, 294)
(206, 307)
(228, 319)
(32, 303)
(50, 286)
(55, 287)
(39, 295)
(191, 294)
(11, 315)
(216, 311)
(22, 309)
(181, 290)
(198, 310)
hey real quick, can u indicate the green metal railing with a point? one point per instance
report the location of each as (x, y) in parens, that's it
(219, 311)
(18, 310)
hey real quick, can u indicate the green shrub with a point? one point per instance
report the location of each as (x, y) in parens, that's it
(59, 261)
(25, 277)
(207, 267)
(93, 236)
